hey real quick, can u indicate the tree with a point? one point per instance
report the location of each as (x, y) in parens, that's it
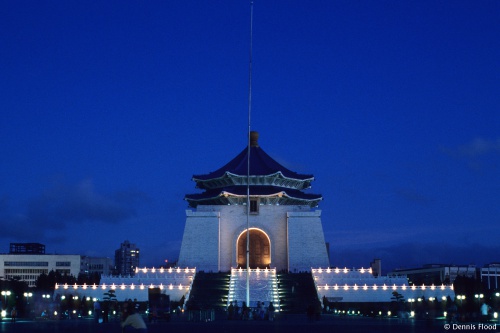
(397, 297)
(109, 296)
(397, 300)
(47, 282)
(108, 304)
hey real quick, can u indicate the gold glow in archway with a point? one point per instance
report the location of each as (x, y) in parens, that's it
(260, 249)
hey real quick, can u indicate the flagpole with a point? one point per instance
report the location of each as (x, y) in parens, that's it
(248, 153)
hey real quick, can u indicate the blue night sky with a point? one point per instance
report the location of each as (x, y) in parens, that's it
(108, 108)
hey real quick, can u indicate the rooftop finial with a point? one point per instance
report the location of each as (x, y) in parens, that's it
(254, 138)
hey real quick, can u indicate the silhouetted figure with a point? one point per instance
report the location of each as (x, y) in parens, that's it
(262, 312)
(105, 314)
(270, 311)
(97, 311)
(236, 310)
(230, 311)
(13, 315)
(244, 311)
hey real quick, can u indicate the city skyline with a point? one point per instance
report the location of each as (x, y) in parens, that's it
(110, 108)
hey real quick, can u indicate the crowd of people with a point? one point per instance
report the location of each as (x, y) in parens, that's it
(259, 312)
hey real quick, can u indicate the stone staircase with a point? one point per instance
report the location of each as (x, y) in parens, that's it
(209, 291)
(297, 291)
(289, 292)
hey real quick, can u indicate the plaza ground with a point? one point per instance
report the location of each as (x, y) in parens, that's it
(284, 323)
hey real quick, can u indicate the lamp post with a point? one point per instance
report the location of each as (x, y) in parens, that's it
(478, 297)
(5, 293)
(411, 301)
(46, 298)
(28, 295)
(495, 304)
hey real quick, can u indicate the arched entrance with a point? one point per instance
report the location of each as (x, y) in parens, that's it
(260, 249)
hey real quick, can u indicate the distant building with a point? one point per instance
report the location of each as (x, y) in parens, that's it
(28, 267)
(435, 274)
(27, 248)
(96, 265)
(126, 259)
(27, 261)
(490, 275)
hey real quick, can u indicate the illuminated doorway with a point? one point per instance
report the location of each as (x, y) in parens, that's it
(260, 249)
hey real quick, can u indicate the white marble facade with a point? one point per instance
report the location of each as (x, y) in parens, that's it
(295, 235)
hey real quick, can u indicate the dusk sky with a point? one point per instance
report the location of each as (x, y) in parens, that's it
(108, 108)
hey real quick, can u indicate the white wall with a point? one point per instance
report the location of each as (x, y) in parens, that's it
(306, 241)
(211, 233)
(200, 243)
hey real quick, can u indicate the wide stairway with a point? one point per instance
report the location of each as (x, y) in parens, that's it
(297, 291)
(289, 292)
(263, 287)
(209, 291)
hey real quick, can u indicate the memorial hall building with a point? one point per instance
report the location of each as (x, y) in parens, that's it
(284, 222)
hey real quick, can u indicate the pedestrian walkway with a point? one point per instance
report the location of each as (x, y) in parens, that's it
(283, 323)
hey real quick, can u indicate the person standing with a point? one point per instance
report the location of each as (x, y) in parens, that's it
(270, 311)
(262, 312)
(230, 311)
(236, 310)
(13, 315)
(244, 311)
(485, 310)
(97, 311)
